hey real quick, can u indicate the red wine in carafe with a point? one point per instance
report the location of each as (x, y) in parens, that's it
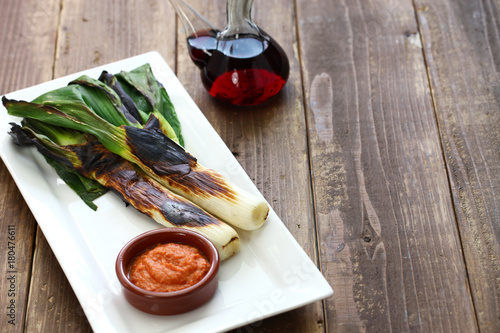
(201, 47)
(246, 70)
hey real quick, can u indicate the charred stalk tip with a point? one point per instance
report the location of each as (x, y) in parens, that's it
(19, 137)
(111, 81)
(6, 101)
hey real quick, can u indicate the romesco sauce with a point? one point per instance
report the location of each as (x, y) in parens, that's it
(168, 267)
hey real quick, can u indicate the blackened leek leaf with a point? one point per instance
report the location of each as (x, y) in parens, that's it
(137, 97)
(74, 114)
(165, 127)
(93, 105)
(104, 101)
(146, 107)
(87, 189)
(65, 107)
(92, 160)
(111, 81)
(152, 91)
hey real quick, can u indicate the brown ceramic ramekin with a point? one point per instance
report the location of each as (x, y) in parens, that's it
(175, 302)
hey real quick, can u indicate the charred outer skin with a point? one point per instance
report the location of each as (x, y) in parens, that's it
(171, 162)
(121, 177)
(138, 190)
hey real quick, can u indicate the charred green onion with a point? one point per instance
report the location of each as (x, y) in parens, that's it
(136, 128)
(90, 159)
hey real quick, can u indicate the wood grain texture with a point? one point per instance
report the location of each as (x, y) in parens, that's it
(463, 59)
(28, 37)
(17, 227)
(27, 42)
(94, 33)
(53, 296)
(387, 229)
(269, 141)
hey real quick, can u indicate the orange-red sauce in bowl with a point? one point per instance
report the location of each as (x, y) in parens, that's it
(169, 267)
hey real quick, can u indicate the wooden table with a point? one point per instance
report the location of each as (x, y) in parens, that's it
(381, 155)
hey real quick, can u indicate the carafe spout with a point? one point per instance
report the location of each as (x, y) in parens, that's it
(192, 22)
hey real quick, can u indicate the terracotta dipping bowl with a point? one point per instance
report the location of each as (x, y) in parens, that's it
(174, 302)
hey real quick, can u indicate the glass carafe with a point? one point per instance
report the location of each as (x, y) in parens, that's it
(240, 65)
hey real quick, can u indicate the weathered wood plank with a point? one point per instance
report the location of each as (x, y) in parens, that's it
(52, 295)
(28, 37)
(17, 227)
(387, 229)
(268, 140)
(94, 33)
(90, 34)
(463, 59)
(27, 42)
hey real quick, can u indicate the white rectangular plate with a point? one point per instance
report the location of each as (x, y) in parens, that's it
(271, 274)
